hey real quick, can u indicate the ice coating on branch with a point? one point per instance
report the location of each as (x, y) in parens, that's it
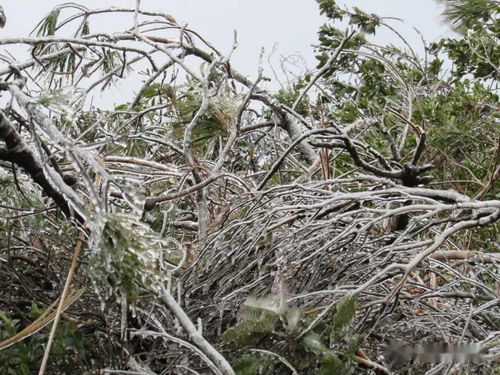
(127, 256)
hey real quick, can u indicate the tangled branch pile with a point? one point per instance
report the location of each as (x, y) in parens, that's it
(210, 225)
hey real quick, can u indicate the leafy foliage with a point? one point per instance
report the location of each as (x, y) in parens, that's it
(268, 320)
(223, 224)
(127, 256)
(71, 349)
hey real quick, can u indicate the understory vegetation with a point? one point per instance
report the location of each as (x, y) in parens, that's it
(209, 225)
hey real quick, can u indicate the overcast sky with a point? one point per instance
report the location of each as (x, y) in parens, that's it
(287, 27)
(292, 25)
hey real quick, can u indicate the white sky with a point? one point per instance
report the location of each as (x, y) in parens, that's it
(289, 27)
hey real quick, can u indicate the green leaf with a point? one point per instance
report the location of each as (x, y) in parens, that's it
(354, 343)
(85, 29)
(245, 332)
(122, 107)
(292, 319)
(153, 90)
(330, 9)
(270, 304)
(48, 25)
(35, 311)
(251, 365)
(332, 365)
(344, 314)
(258, 316)
(313, 342)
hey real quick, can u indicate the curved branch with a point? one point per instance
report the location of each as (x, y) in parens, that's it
(19, 153)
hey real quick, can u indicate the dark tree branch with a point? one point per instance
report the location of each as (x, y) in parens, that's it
(21, 154)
